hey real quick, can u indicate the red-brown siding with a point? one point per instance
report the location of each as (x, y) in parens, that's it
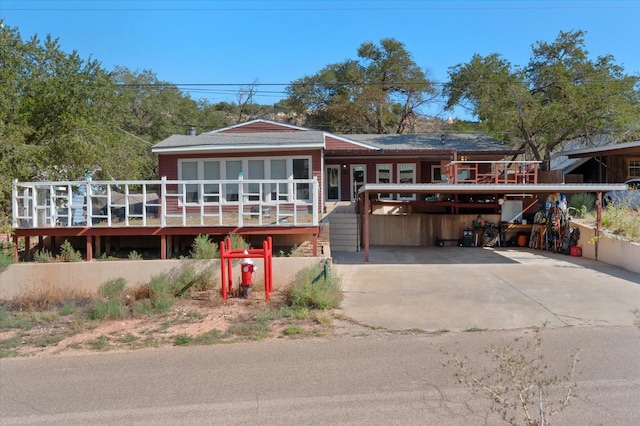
(334, 143)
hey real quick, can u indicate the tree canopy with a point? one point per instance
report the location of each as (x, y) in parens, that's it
(380, 92)
(61, 115)
(561, 95)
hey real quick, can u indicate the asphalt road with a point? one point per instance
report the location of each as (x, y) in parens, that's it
(381, 379)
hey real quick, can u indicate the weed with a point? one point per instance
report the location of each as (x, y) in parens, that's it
(183, 340)
(48, 340)
(99, 343)
(134, 255)
(291, 331)
(238, 242)
(323, 319)
(161, 293)
(46, 297)
(112, 289)
(127, 338)
(210, 337)
(582, 204)
(108, 309)
(254, 331)
(203, 248)
(195, 315)
(517, 381)
(69, 308)
(6, 259)
(68, 253)
(474, 329)
(42, 256)
(321, 294)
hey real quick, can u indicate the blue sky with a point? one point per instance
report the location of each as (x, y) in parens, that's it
(274, 42)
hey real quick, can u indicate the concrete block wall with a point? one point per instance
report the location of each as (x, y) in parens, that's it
(86, 277)
(613, 251)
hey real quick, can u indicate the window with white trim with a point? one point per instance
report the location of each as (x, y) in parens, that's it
(251, 168)
(407, 175)
(383, 175)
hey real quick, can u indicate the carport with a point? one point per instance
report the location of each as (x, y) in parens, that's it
(369, 190)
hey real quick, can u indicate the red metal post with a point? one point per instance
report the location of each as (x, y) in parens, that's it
(223, 273)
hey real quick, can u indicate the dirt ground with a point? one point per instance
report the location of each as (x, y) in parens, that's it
(202, 320)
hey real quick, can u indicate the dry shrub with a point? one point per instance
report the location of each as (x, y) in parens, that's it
(46, 297)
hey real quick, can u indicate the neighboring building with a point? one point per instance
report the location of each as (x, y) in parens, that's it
(611, 163)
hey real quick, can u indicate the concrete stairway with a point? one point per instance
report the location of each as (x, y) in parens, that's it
(343, 226)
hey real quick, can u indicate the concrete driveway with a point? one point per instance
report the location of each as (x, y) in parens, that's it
(460, 288)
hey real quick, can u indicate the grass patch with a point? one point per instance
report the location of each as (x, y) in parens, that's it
(99, 343)
(183, 340)
(254, 331)
(292, 331)
(210, 337)
(313, 291)
(127, 338)
(474, 329)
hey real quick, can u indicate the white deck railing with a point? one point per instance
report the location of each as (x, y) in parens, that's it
(241, 202)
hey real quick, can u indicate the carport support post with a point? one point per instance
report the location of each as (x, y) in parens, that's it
(598, 220)
(365, 231)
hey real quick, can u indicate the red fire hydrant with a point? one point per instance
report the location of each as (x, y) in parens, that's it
(246, 278)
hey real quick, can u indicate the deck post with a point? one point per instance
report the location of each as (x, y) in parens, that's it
(163, 247)
(89, 248)
(163, 201)
(365, 213)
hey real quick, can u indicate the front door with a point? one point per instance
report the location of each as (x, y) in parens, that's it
(332, 177)
(358, 178)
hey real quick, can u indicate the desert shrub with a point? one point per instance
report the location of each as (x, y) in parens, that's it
(622, 221)
(238, 242)
(311, 290)
(582, 203)
(110, 303)
(5, 259)
(161, 293)
(204, 248)
(134, 255)
(47, 297)
(68, 253)
(42, 256)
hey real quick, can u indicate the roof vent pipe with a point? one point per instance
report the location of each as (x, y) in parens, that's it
(192, 130)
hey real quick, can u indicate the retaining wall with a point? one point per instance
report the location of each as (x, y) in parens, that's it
(86, 277)
(610, 250)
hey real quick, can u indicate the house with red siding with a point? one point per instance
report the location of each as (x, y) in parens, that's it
(264, 178)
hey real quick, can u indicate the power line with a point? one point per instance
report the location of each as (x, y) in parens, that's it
(345, 5)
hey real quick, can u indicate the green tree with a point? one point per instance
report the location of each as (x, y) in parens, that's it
(561, 95)
(381, 92)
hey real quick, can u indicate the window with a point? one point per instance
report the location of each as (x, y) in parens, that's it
(279, 171)
(383, 175)
(256, 171)
(251, 169)
(211, 171)
(233, 171)
(301, 171)
(189, 171)
(634, 168)
(436, 174)
(406, 175)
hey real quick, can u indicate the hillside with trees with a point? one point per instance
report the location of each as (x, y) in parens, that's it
(62, 115)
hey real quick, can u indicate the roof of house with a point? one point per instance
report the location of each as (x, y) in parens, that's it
(613, 149)
(431, 141)
(241, 141)
(263, 134)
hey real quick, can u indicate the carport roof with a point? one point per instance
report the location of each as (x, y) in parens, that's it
(511, 188)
